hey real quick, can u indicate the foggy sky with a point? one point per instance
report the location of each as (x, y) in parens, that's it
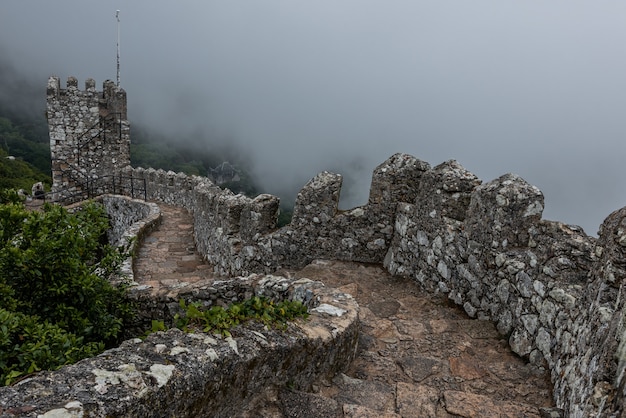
(529, 87)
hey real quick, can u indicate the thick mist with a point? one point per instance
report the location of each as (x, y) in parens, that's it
(534, 88)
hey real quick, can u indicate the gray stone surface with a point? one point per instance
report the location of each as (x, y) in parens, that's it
(373, 395)
(556, 292)
(296, 404)
(89, 137)
(189, 375)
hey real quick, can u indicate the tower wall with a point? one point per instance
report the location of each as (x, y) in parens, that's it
(89, 136)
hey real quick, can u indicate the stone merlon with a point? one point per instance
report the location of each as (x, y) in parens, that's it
(553, 291)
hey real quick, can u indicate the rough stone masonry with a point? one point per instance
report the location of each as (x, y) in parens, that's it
(554, 291)
(89, 136)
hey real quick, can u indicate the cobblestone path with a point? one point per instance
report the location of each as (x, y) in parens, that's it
(418, 356)
(421, 356)
(167, 259)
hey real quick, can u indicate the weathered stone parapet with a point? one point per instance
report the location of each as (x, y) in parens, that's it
(318, 201)
(503, 211)
(259, 217)
(218, 376)
(238, 234)
(130, 221)
(600, 333)
(445, 192)
(556, 292)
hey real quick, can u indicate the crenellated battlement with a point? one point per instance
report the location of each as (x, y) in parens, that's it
(112, 98)
(553, 290)
(54, 87)
(556, 293)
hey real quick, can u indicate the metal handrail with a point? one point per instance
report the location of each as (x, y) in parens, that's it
(109, 117)
(97, 186)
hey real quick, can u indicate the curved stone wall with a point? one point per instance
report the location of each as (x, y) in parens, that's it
(131, 220)
(218, 376)
(553, 290)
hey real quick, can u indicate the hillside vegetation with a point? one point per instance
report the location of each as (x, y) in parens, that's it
(25, 154)
(16, 173)
(26, 139)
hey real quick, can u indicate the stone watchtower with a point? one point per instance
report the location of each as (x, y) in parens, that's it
(89, 137)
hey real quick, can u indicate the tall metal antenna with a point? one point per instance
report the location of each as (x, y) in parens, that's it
(117, 16)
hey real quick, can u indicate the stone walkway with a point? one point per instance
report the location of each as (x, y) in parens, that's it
(167, 259)
(418, 356)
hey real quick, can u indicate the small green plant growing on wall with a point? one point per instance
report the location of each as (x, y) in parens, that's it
(219, 320)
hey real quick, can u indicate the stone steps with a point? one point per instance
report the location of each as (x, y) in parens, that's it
(167, 258)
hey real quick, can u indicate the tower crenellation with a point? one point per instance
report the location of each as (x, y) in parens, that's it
(556, 293)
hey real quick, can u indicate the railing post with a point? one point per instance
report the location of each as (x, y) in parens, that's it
(107, 184)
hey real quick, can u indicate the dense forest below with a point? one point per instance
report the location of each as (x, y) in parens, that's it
(24, 150)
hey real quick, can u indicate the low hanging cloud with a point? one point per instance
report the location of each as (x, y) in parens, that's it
(536, 89)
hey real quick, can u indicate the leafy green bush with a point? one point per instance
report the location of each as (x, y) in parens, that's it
(28, 344)
(57, 305)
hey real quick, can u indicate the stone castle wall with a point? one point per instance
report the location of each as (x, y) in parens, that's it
(238, 235)
(178, 374)
(554, 291)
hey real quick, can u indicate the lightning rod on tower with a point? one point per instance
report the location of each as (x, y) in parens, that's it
(117, 16)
